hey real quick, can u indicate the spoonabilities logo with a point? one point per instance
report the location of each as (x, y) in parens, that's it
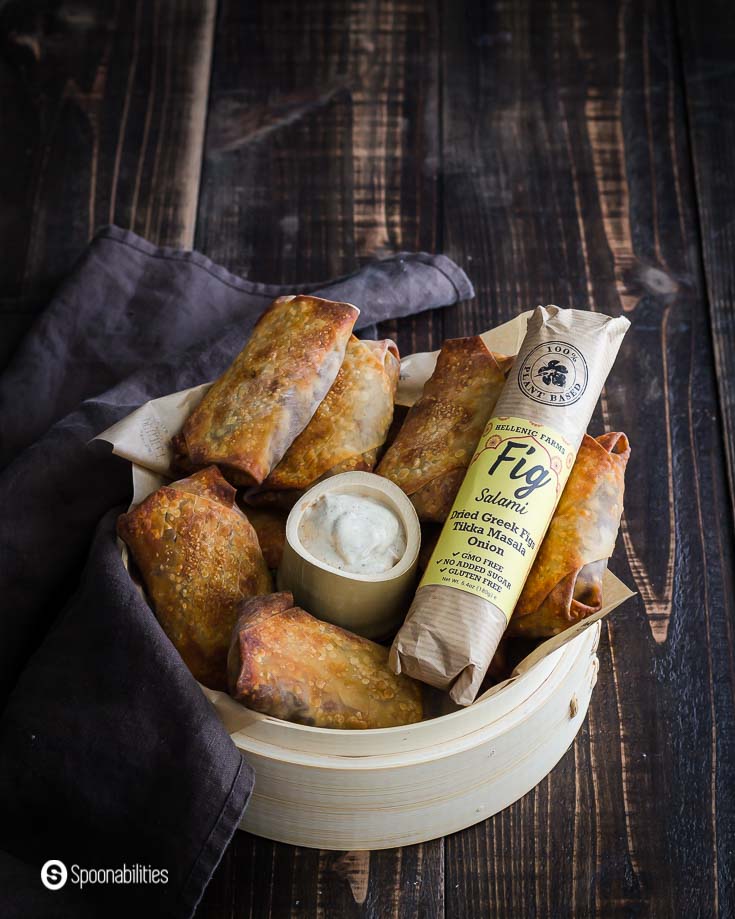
(54, 874)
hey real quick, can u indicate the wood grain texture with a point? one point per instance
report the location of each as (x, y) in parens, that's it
(261, 879)
(103, 112)
(566, 179)
(322, 142)
(707, 41)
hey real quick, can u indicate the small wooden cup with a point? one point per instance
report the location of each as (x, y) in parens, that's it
(372, 605)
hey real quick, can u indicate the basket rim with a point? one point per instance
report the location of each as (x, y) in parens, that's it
(470, 724)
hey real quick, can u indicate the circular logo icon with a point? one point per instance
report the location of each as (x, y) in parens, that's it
(554, 373)
(54, 874)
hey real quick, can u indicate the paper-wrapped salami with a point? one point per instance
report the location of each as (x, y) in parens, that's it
(506, 501)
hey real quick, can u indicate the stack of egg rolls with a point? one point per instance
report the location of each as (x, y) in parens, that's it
(253, 413)
(347, 429)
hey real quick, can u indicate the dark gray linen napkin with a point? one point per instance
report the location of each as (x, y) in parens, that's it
(109, 753)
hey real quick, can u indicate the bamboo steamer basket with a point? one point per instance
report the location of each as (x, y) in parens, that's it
(378, 789)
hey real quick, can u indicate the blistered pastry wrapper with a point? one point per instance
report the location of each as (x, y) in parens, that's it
(199, 558)
(346, 432)
(286, 663)
(506, 501)
(144, 438)
(253, 413)
(430, 454)
(565, 581)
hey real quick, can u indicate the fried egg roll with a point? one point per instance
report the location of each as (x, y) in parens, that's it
(565, 581)
(198, 557)
(429, 457)
(287, 664)
(253, 413)
(348, 428)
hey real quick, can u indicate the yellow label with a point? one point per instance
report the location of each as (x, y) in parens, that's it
(501, 512)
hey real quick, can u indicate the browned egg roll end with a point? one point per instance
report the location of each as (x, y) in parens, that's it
(270, 525)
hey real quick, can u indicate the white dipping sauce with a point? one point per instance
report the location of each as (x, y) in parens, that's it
(353, 533)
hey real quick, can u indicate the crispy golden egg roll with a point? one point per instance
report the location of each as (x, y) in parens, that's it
(429, 457)
(565, 582)
(264, 400)
(347, 430)
(285, 663)
(199, 558)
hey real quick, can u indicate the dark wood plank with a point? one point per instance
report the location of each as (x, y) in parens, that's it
(566, 179)
(322, 152)
(103, 111)
(707, 38)
(261, 879)
(322, 143)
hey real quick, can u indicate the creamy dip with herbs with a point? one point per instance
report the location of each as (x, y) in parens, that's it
(353, 533)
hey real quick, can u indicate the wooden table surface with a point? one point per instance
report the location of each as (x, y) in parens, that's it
(580, 153)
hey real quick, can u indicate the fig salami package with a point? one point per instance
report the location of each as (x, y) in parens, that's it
(507, 498)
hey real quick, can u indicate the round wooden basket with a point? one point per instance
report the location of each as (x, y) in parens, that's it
(377, 789)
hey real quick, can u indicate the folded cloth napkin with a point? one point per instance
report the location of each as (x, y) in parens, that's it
(110, 756)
